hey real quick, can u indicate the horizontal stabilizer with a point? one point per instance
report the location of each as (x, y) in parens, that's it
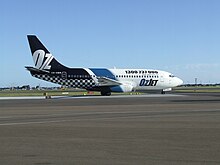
(29, 68)
(104, 81)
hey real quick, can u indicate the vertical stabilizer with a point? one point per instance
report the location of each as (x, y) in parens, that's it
(43, 59)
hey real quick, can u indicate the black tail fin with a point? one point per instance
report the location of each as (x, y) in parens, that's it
(43, 60)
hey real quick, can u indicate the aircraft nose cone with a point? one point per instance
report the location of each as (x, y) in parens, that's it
(179, 81)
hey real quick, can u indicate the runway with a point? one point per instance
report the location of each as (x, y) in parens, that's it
(154, 129)
(88, 97)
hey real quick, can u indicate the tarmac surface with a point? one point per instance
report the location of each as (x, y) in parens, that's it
(149, 129)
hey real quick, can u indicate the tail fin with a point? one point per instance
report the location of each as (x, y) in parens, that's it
(43, 60)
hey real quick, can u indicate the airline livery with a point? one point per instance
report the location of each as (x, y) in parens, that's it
(97, 79)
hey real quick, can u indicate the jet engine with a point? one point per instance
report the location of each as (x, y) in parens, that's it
(122, 88)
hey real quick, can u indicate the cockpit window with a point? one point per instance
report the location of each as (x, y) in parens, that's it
(171, 75)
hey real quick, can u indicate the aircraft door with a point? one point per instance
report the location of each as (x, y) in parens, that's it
(64, 75)
(161, 78)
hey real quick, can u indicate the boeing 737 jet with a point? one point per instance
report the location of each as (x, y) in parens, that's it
(97, 79)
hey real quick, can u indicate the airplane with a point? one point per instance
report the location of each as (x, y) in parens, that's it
(97, 79)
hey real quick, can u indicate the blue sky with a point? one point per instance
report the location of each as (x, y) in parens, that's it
(179, 36)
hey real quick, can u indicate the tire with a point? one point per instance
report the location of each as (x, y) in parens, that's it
(104, 93)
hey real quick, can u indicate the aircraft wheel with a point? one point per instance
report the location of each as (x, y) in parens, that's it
(105, 93)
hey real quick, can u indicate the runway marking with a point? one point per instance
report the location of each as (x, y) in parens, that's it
(34, 122)
(165, 114)
(28, 116)
(105, 118)
(21, 98)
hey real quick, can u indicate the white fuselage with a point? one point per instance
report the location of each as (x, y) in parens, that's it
(142, 79)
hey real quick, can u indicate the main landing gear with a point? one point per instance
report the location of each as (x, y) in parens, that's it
(104, 93)
(162, 92)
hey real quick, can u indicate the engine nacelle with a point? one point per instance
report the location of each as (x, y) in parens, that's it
(122, 88)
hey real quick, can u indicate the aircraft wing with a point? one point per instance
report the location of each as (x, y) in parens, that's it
(104, 81)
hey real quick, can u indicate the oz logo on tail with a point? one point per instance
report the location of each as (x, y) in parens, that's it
(42, 59)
